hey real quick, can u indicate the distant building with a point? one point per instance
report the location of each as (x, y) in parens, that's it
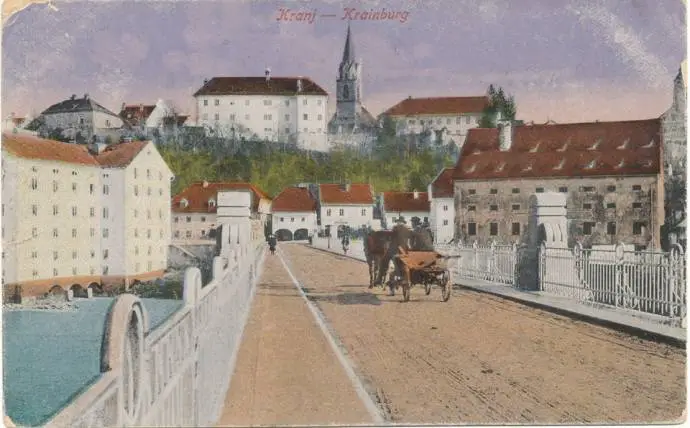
(412, 206)
(194, 209)
(279, 109)
(442, 119)
(159, 122)
(352, 124)
(342, 206)
(78, 119)
(75, 216)
(293, 214)
(442, 206)
(611, 173)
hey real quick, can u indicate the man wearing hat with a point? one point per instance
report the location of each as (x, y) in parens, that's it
(400, 238)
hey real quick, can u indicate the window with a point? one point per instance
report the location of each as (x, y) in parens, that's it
(55, 210)
(246, 117)
(34, 183)
(305, 116)
(282, 219)
(611, 228)
(611, 189)
(177, 234)
(328, 212)
(92, 232)
(471, 229)
(319, 117)
(268, 117)
(105, 212)
(445, 222)
(105, 233)
(246, 102)
(148, 233)
(287, 103)
(55, 186)
(471, 208)
(306, 130)
(74, 211)
(74, 186)
(448, 121)
(364, 211)
(458, 120)
(493, 229)
(638, 227)
(516, 190)
(292, 219)
(303, 219)
(493, 207)
(637, 205)
(136, 251)
(205, 102)
(34, 232)
(467, 120)
(342, 212)
(34, 209)
(493, 191)
(55, 271)
(55, 233)
(287, 130)
(587, 188)
(148, 174)
(637, 188)
(204, 116)
(91, 189)
(74, 254)
(267, 102)
(588, 227)
(136, 213)
(55, 255)
(304, 102)
(177, 219)
(93, 254)
(136, 190)
(472, 191)
(189, 219)
(34, 254)
(135, 173)
(539, 190)
(216, 102)
(586, 206)
(149, 249)
(515, 207)
(563, 189)
(188, 234)
(105, 270)
(203, 219)
(74, 233)
(232, 117)
(516, 228)
(106, 189)
(445, 208)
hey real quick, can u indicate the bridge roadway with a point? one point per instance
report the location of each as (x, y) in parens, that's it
(475, 359)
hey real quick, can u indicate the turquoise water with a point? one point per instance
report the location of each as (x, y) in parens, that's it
(51, 356)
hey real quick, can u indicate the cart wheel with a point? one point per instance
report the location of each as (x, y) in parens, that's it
(406, 292)
(447, 287)
(427, 288)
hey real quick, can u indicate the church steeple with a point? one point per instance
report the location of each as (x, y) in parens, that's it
(349, 51)
(348, 86)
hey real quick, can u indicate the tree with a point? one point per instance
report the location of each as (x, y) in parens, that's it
(499, 102)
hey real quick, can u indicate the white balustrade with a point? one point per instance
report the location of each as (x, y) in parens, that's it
(177, 374)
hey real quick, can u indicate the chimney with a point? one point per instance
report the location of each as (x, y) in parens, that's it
(86, 96)
(268, 74)
(204, 184)
(123, 107)
(73, 97)
(205, 81)
(299, 84)
(505, 135)
(416, 194)
(141, 108)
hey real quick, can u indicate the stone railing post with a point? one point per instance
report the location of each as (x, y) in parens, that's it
(620, 293)
(514, 261)
(541, 263)
(475, 266)
(492, 265)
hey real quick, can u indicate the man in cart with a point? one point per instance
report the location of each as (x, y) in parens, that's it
(400, 238)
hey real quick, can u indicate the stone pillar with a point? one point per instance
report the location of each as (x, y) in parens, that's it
(234, 212)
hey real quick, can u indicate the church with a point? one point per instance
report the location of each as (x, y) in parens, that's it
(351, 125)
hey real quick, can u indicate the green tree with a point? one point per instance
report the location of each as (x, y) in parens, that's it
(499, 102)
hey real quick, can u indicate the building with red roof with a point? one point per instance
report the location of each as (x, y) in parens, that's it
(194, 209)
(414, 207)
(349, 205)
(610, 171)
(442, 206)
(294, 214)
(77, 216)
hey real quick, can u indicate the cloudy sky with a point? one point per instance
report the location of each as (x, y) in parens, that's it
(568, 61)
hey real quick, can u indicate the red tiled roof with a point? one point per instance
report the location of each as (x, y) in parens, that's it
(27, 146)
(197, 196)
(438, 105)
(442, 187)
(294, 199)
(567, 150)
(405, 201)
(120, 155)
(136, 114)
(336, 194)
(259, 86)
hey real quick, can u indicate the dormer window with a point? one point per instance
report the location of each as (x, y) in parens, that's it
(471, 168)
(212, 203)
(184, 203)
(560, 164)
(535, 148)
(596, 144)
(620, 164)
(527, 168)
(591, 165)
(625, 145)
(500, 167)
(563, 148)
(648, 145)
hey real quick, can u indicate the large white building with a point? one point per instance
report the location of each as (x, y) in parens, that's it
(279, 109)
(294, 214)
(442, 206)
(75, 216)
(194, 209)
(447, 118)
(79, 119)
(344, 205)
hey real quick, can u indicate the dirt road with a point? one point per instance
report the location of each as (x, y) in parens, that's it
(481, 359)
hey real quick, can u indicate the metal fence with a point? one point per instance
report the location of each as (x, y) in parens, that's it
(652, 282)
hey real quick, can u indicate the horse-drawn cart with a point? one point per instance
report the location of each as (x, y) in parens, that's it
(421, 267)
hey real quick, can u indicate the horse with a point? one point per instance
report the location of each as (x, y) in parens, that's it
(375, 247)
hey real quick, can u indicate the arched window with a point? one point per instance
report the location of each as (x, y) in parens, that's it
(346, 92)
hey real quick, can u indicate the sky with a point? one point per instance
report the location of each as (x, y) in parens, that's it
(564, 61)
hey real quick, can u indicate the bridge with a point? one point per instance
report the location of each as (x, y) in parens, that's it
(297, 338)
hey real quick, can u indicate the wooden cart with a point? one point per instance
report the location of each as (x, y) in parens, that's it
(421, 267)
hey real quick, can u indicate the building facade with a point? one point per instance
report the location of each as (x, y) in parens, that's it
(69, 215)
(442, 206)
(279, 109)
(160, 121)
(351, 124)
(445, 119)
(610, 172)
(194, 209)
(80, 119)
(293, 214)
(412, 206)
(344, 206)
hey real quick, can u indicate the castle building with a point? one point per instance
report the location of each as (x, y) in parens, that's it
(279, 109)
(611, 173)
(352, 124)
(75, 216)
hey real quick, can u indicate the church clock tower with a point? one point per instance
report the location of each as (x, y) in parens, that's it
(349, 88)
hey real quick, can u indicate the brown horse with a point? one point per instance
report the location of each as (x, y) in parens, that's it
(375, 247)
